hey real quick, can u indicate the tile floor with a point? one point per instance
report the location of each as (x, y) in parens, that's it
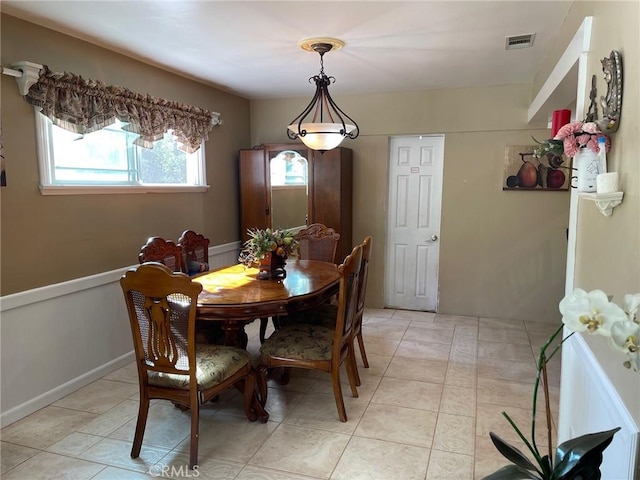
(436, 387)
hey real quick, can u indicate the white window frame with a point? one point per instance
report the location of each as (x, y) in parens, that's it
(45, 152)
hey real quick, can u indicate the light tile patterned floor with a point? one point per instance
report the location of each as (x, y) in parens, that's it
(436, 388)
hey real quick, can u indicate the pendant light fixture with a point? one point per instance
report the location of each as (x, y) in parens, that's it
(322, 125)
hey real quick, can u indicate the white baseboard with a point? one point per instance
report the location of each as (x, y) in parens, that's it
(47, 398)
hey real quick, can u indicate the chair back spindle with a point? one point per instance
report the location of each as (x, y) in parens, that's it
(162, 314)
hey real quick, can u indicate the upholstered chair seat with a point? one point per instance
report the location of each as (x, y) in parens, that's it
(300, 342)
(214, 365)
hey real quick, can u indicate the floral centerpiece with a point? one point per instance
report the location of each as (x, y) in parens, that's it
(577, 458)
(570, 138)
(268, 249)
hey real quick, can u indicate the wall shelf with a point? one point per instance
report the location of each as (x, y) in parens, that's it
(605, 202)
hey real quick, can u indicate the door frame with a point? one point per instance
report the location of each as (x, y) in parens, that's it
(388, 216)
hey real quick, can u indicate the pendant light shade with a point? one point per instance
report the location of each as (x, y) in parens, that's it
(321, 136)
(322, 125)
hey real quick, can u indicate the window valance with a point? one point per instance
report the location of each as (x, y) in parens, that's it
(84, 106)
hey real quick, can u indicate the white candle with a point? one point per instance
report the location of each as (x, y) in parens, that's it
(607, 182)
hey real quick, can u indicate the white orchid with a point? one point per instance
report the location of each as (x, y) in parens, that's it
(590, 312)
(593, 312)
(624, 337)
(631, 306)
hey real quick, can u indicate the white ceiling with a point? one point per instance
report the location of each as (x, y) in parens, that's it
(251, 47)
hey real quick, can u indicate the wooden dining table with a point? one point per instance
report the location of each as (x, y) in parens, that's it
(235, 297)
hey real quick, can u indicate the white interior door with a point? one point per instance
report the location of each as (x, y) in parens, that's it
(413, 243)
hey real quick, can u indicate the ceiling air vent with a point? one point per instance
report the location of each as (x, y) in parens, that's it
(520, 41)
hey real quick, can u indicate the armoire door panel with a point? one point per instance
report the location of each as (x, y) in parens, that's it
(332, 195)
(326, 197)
(254, 188)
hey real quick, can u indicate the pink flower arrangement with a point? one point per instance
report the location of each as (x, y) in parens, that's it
(577, 135)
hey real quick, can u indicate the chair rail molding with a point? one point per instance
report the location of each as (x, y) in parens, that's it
(86, 312)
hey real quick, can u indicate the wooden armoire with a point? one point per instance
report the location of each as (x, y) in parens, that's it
(328, 188)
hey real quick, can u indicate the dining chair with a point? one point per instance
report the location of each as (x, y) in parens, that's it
(362, 293)
(195, 249)
(162, 310)
(195, 259)
(316, 347)
(318, 242)
(326, 314)
(315, 242)
(157, 249)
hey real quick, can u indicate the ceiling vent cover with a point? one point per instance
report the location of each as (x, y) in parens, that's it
(520, 41)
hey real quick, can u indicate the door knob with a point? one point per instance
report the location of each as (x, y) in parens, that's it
(433, 238)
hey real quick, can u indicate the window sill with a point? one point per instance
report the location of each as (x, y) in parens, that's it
(119, 189)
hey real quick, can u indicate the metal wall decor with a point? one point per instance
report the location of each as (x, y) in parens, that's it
(592, 113)
(611, 103)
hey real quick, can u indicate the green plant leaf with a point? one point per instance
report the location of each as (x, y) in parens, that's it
(581, 452)
(548, 146)
(587, 467)
(512, 454)
(532, 449)
(546, 466)
(512, 472)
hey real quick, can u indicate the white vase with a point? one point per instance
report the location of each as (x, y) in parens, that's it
(586, 162)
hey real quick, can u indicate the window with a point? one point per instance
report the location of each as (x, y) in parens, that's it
(109, 161)
(288, 168)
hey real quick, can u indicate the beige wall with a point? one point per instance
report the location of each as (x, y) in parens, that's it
(477, 215)
(502, 254)
(49, 239)
(608, 248)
